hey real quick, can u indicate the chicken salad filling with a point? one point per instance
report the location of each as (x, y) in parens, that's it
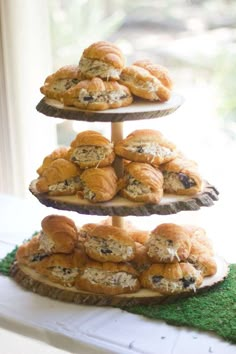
(186, 283)
(164, 249)
(90, 153)
(102, 96)
(136, 188)
(109, 246)
(94, 67)
(70, 185)
(175, 181)
(108, 278)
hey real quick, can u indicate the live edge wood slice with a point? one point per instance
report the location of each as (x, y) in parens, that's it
(38, 284)
(139, 109)
(170, 204)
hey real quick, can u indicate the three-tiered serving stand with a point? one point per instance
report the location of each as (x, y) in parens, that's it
(118, 207)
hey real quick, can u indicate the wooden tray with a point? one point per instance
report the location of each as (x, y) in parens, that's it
(139, 109)
(170, 204)
(36, 283)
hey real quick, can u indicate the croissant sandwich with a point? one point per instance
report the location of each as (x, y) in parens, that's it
(202, 259)
(98, 184)
(181, 176)
(199, 234)
(58, 235)
(172, 278)
(146, 145)
(109, 244)
(60, 152)
(108, 278)
(61, 177)
(143, 84)
(91, 149)
(141, 183)
(159, 71)
(168, 243)
(59, 82)
(141, 261)
(102, 59)
(97, 95)
(62, 268)
(30, 253)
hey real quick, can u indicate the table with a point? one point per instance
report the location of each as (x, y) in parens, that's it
(31, 323)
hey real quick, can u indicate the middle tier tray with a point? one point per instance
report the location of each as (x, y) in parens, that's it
(118, 206)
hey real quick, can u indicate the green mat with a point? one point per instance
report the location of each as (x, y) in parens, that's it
(214, 310)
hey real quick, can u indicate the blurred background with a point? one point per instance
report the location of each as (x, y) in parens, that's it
(194, 39)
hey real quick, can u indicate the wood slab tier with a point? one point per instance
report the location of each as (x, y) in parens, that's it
(39, 284)
(139, 109)
(170, 204)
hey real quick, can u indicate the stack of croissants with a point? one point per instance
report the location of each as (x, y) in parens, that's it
(102, 81)
(152, 166)
(105, 259)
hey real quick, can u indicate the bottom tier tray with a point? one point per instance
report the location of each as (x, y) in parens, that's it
(36, 283)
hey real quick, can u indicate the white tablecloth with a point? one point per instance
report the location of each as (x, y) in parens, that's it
(68, 328)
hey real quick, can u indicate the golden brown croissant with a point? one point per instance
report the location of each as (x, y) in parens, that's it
(143, 84)
(62, 80)
(97, 95)
(159, 71)
(60, 178)
(30, 253)
(198, 234)
(91, 149)
(141, 183)
(102, 59)
(181, 176)
(107, 243)
(62, 268)
(141, 260)
(60, 152)
(171, 278)
(58, 235)
(108, 278)
(98, 184)
(146, 145)
(202, 259)
(140, 236)
(168, 243)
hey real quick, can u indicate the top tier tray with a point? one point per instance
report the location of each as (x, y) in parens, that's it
(139, 109)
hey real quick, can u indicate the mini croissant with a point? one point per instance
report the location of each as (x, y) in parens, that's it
(202, 259)
(59, 234)
(98, 184)
(62, 268)
(141, 183)
(108, 278)
(108, 243)
(60, 178)
(30, 253)
(159, 71)
(143, 84)
(102, 59)
(62, 80)
(97, 95)
(181, 176)
(91, 149)
(146, 145)
(168, 243)
(172, 278)
(60, 152)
